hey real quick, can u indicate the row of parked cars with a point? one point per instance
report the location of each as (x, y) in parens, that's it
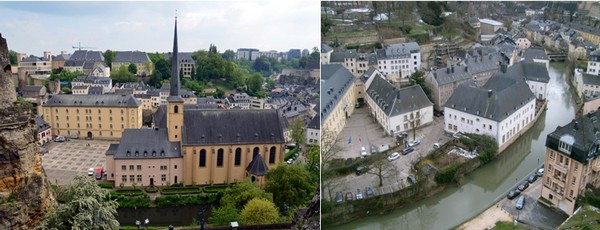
(522, 186)
(368, 192)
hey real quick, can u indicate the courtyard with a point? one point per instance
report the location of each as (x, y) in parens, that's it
(65, 160)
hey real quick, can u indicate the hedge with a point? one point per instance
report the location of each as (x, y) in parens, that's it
(180, 190)
(129, 192)
(351, 168)
(215, 188)
(107, 185)
(136, 201)
(151, 189)
(179, 200)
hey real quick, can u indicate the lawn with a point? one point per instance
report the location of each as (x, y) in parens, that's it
(507, 226)
(587, 217)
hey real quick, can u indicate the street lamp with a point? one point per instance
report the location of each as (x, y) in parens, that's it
(146, 222)
(201, 218)
(138, 223)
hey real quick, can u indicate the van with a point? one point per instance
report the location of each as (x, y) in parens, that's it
(360, 170)
(99, 173)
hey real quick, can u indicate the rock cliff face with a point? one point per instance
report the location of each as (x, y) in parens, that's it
(309, 218)
(25, 194)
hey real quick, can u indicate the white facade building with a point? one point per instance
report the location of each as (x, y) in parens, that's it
(399, 61)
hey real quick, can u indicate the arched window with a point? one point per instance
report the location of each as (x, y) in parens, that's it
(176, 109)
(238, 156)
(255, 152)
(272, 155)
(220, 158)
(202, 158)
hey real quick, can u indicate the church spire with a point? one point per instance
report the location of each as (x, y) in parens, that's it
(175, 85)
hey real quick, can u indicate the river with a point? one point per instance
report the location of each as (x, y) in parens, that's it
(484, 186)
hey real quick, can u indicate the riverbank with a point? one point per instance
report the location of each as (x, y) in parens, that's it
(487, 219)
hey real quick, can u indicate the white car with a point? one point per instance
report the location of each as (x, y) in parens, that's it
(60, 139)
(394, 156)
(414, 143)
(436, 145)
(363, 151)
(90, 171)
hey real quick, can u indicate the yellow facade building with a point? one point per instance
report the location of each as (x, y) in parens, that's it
(92, 116)
(340, 91)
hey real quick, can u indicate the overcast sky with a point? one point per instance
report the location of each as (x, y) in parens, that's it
(34, 27)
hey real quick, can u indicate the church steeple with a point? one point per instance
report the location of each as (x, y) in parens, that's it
(175, 85)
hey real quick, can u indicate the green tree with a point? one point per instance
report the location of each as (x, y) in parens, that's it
(163, 67)
(12, 56)
(224, 215)
(382, 168)
(255, 83)
(290, 184)
(132, 68)
(298, 132)
(270, 83)
(109, 56)
(122, 75)
(84, 206)
(213, 49)
(228, 55)
(326, 25)
(418, 78)
(259, 211)
(239, 194)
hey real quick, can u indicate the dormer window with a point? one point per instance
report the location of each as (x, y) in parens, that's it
(565, 144)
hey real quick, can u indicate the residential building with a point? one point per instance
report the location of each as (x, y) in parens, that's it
(191, 145)
(313, 131)
(58, 61)
(239, 100)
(44, 131)
(356, 63)
(92, 116)
(104, 82)
(489, 26)
(589, 33)
(187, 65)
(502, 109)
(139, 59)
(326, 51)
(338, 97)
(398, 110)
(399, 61)
(85, 61)
(247, 54)
(571, 162)
(593, 66)
(534, 74)
(39, 67)
(538, 55)
(294, 53)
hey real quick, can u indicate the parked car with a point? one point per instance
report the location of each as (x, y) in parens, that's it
(540, 172)
(520, 202)
(403, 134)
(512, 194)
(369, 192)
(90, 171)
(290, 161)
(414, 143)
(436, 145)
(373, 149)
(457, 135)
(60, 139)
(384, 148)
(523, 186)
(407, 150)
(349, 196)
(411, 179)
(532, 178)
(394, 156)
(338, 197)
(359, 194)
(357, 105)
(363, 151)
(360, 170)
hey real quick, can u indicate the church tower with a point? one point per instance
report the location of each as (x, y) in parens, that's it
(174, 101)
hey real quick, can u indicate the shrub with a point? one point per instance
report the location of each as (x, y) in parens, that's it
(152, 189)
(136, 201)
(447, 174)
(180, 200)
(129, 192)
(215, 188)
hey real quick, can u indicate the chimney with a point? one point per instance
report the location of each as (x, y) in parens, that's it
(48, 55)
(63, 52)
(447, 70)
(503, 68)
(435, 75)
(466, 68)
(576, 125)
(490, 93)
(398, 95)
(452, 70)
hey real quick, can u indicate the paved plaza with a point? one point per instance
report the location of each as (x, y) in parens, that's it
(65, 160)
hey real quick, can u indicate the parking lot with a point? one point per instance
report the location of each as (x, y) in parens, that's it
(363, 130)
(65, 160)
(534, 213)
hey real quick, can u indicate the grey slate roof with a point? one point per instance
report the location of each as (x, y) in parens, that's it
(41, 124)
(335, 82)
(535, 53)
(207, 127)
(528, 70)
(590, 79)
(340, 56)
(257, 166)
(445, 76)
(112, 149)
(508, 95)
(104, 100)
(131, 56)
(325, 48)
(86, 55)
(32, 88)
(586, 137)
(394, 101)
(583, 28)
(315, 122)
(145, 144)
